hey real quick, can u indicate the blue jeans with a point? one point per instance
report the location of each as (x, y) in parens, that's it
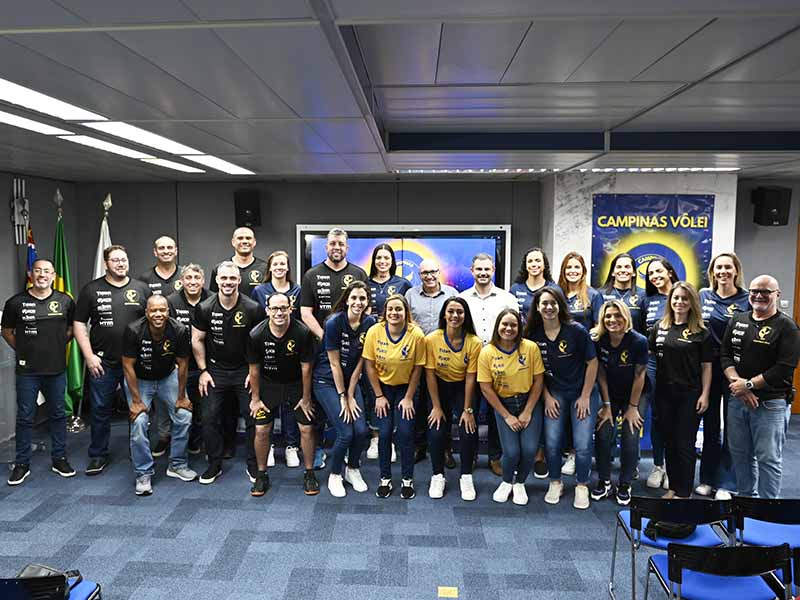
(716, 467)
(755, 439)
(101, 393)
(606, 439)
(349, 436)
(582, 432)
(28, 387)
(656, 437)
(519, 447)
(405, 434)
(165, 392)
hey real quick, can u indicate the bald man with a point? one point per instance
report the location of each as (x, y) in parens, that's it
(164, 277)
(251, 268)
(759, 353)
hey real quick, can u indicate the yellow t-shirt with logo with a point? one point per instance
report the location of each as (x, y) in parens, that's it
(510, 374)
(448, 363)
(394, 359)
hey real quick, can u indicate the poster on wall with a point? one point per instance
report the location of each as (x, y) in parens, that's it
(677, 227)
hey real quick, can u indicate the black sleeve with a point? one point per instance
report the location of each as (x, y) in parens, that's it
(130, 343)
(212, 285)
(726, 352)
(172, 312)
(69, 311)
(706, 348)
(200, 321)
(651, 340)
(184, 349)
(309, 345)
(780, 374)
(83, 308)
(257, 315)
(251, 350)
(307, 297)
(9, 315)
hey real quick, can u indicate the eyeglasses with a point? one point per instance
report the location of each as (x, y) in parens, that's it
(428, 273)
(766, 292)
(117, 260)
(43, 271)
(277, 309)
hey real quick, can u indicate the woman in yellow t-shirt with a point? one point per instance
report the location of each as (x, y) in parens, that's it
(511, 376)
(451, 367)
(394, 355)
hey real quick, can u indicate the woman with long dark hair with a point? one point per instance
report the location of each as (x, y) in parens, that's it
(533, 275)
(620, 284)
(451, 368)
(583, 301)
(383, 279)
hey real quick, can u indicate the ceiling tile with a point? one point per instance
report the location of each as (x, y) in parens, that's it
(147, 11)
(400, 54)
(247, 9)
(274, 135)
(36, 13)
(345, 135)
(477, 52)
(365, 163)
(774, 62)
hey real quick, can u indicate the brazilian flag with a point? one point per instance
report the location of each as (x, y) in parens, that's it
(63, 283)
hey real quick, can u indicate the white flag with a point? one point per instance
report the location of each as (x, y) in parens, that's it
(103, 243)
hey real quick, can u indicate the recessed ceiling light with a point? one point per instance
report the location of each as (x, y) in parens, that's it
(140, 136)
(219, 164)
(21, 96)
(85, 140)
(168, 164)
(30, 125)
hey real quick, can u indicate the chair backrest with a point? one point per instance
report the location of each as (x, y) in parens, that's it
(730, 561)
(783, 511)
(685, 511)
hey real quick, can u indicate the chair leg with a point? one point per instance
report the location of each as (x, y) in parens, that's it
(633, 570)
(647, 582)
(613, 564)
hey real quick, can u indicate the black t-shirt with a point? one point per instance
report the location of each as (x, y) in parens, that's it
(322, 287)
(109, 309)
(679, 354)
(159, 285)
(41, 330)
(770, 348)
(183, 311)
(227, 330)
(252, 276)
(155, 359)
(620, 362)
(280, 357)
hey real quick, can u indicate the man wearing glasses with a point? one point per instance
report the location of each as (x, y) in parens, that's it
(108, 304)
(759, 353)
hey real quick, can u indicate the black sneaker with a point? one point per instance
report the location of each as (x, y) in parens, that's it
(161, 447)
(252, 473)
(96, 466)
(540, 470)
(449, 461)
(407, 489)
(260, 484)
(310, 484)
(19, 474)
(62, 467)
(211, 474)
(602, 490)
(623, 494)
(384, 489)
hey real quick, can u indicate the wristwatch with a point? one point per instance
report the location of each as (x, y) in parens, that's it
(749, 384)
(469, 411)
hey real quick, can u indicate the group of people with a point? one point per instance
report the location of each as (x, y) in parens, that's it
(558, 368)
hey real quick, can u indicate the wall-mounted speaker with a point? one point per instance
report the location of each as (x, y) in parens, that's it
(248, 208)
(771, 205)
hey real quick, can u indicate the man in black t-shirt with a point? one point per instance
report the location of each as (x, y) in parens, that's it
(280, 352)
(164, 277)
(251, 268)
(220, 332)
(108, 304)
(759, 353)
(151, 347)
(37, 324)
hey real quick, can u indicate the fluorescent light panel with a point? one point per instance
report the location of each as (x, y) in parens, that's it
(664, 170)
(21, 96)
(140, 136)
(22, 122)
(86, 140)
(469, 171)
(219, 164)
(168, 164)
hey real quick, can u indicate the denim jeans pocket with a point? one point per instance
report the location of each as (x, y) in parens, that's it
(777, 404)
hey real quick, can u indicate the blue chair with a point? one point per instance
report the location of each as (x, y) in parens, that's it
(727, 573)
(701, 513)
(764, 522)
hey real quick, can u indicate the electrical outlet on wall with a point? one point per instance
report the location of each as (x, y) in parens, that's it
(784, 304)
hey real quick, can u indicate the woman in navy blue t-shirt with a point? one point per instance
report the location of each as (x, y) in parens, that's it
(583, 301)
(383, 278)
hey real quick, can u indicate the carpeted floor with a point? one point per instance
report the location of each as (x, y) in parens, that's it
(216, 542)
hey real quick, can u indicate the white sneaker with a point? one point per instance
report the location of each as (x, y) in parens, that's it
(520, 496)
(467, 488)
(703, 489)
(569, 465)
(394, 454)
(554, 492)
(502, 492)
(354, 478)
(436, 489)
(271, 457)
(723, 495)
(581, 497)
(372, 451)
(335, 486)
(656, 477)
(182, 473)
(143, 486)
(292, 458)
(665, 485)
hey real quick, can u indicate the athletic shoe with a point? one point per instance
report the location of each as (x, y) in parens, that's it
(554, 492)
(704, 489)
(665, 485)
(623, 494)
(62, 467)
(310, 484)
(271, 456)
(161, 447)
(335, 486)
(292, 459)
(568, 467)
(143, 486)
(182, 473)
(211, 474)
(602, 490)
(372, 451)
(656, 477)
(722, 495)
(496, 466)
(19, 474)
(260, 485)
(319, 459)
(540, 470)
(502, 492)
(449, 461)
(467, 488)
(384, 489)
(96, 466)
(436, 489)
(518, 494)
(252, 473)
(407, 489)
(354, 478)
(581, 500)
